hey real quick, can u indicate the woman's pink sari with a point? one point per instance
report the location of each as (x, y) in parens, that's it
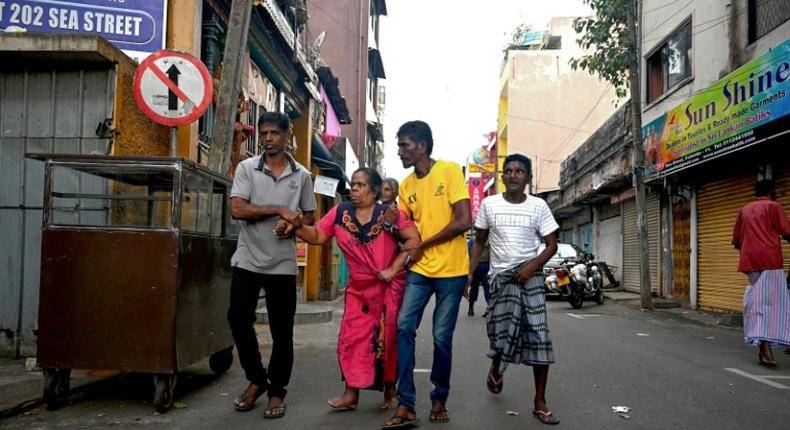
(366, 345)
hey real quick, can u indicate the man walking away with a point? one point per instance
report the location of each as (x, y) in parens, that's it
(479, 277)
(265, 189)
(759, 227)
(436, 198)
(513, 223)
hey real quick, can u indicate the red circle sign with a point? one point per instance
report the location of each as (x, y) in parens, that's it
(172, 88)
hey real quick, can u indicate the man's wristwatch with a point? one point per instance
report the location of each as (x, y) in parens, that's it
(388, 226)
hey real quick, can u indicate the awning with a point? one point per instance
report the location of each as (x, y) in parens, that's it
(375, 131)
(331, 85)
(375, 64)
(321, 157)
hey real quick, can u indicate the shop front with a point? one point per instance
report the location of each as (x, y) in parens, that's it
(709, 152)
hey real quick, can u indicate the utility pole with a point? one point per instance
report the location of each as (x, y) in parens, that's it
(230, 85)
(639, 155)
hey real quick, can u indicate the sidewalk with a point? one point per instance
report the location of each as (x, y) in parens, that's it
(22, 390)
(626, 298)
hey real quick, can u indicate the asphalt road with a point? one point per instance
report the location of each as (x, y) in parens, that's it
(671, 372)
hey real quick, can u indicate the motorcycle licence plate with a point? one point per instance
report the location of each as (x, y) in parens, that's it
(563, 281)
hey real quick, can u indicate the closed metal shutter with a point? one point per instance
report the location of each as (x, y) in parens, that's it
(782, 179)
(631, 271)
(720, 286)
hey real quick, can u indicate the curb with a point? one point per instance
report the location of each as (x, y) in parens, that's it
(305, 314)
(25, 405)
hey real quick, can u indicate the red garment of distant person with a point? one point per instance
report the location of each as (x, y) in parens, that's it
(757, 234)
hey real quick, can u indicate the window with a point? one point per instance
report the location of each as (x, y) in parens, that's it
(670, 63)
(766, 15)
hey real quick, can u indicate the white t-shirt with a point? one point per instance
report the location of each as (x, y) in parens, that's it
(514, 229)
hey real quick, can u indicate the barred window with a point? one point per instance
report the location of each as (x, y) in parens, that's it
(766, 15)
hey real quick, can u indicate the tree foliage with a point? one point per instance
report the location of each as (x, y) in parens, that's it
(606, 35)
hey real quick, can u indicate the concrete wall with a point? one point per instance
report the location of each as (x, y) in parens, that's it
(719, 43)
(345, 50)
(552, 109)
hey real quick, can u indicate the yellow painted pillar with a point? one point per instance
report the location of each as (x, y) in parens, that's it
(302, 129)
(184, 26)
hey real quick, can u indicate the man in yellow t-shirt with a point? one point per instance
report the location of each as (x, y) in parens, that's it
(436, 198)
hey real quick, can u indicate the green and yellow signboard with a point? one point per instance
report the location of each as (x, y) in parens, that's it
(738, 111)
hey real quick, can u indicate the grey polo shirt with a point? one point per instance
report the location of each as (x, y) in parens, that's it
(258, 249)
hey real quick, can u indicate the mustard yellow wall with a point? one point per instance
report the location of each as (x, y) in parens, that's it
(184, 19)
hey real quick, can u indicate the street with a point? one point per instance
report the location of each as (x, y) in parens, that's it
(671, 372)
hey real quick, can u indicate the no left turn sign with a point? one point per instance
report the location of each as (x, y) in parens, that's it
(172, 88)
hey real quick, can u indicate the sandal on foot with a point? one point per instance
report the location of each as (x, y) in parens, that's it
(275, 411)
(436, 415)
(245, 401)
(340, 408)
(495, 385)
(765, 362)
(399, 422)
(546, 417)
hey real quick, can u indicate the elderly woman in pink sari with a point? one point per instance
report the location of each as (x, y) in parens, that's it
(366, 345)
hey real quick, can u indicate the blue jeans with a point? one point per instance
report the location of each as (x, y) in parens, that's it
(418, 292)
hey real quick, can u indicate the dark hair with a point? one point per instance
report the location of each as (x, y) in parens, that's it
(418, 131)
(521, 159)
(393, 184)
(374, 180)
(280, 119)
(763, 187)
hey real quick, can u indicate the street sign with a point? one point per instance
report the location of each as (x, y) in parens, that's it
(477, 168)
(137, 27)
(172, 88)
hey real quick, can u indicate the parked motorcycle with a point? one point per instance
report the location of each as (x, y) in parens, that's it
(577, 280)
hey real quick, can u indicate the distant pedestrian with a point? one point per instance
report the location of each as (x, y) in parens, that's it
(513, 223)
(759, 229)
(267, 188)
(480, 276)
(435, 197)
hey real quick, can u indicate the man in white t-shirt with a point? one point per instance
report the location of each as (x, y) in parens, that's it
(514, 223)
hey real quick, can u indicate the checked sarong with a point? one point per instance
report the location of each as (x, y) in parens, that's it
(516, 321)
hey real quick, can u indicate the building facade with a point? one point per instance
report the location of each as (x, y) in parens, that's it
(71, 92)
(546, 109)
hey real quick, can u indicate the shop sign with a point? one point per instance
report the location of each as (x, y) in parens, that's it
(740, 110)
(476, 194)
(136, 27)
(478, 168)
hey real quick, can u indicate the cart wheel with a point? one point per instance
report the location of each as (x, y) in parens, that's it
(56, 387)
(164, 386)
(220, 362)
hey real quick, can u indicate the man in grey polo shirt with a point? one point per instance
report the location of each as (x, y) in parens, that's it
(267, 188)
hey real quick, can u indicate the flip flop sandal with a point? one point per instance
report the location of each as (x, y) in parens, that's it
(764, 362)
(546, 417)
(494, 385)
(275, 412)
(400, 422)
(341, 408)
(434, 416)
(246, 402)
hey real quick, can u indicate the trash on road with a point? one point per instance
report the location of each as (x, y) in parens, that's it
(179, 405)
(710, 338)
(512, 413)
(621, 409)
(643, 334)
(625, 416)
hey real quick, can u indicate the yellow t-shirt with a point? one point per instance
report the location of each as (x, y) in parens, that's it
(428, 201)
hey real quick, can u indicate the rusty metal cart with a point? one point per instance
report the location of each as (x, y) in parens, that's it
(135, 269)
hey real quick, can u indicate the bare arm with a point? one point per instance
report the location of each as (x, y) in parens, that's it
(551, 248)
(244, 210)
(462, 221)
(410, 237)
(311, 235)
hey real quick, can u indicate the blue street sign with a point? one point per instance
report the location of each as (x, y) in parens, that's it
(131, 25)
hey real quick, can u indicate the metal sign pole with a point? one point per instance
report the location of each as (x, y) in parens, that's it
(174, 141)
